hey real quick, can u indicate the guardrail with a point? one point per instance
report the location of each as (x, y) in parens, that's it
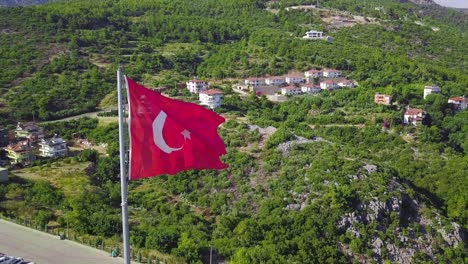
(138, 255)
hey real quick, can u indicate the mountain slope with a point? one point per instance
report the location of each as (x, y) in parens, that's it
(331, 178)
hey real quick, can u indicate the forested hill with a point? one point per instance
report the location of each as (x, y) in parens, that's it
(327, 178)
(23, 2)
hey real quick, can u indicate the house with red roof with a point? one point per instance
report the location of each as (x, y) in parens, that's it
(291, 90)
(254, 81)
(310, 88)
(458, 103)
(21, 152)
(328, 84)
(275, 80)
(313, 73)
(331, 73)
(212, 98)
(294, 78)
(414, 116)
(196, 86)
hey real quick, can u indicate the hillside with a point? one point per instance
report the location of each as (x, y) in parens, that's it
(326, 178)
(23, 2)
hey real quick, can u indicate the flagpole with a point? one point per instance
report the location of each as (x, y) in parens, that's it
(123, 174)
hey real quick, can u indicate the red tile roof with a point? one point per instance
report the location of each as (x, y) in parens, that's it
(459, 99)
(414, 111)
(212, 92)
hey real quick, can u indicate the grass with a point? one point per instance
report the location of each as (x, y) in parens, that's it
(67, 176)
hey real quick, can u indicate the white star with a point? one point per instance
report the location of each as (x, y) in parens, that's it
(186, 134)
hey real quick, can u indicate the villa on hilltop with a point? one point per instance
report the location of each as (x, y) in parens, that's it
(211, 98)
(414, 116)
(196, 86)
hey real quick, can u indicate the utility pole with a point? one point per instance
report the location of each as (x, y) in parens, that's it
(211, 254)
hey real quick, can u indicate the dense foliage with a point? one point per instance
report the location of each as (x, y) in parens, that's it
(277, 202)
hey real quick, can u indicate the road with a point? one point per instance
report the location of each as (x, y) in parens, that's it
(42, 248)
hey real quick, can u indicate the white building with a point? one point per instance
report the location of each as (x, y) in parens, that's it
(313, 34)
(331, 73)
(293, 79)
(432, 89)
(275, 80)
(291, 90)
(310, 88)
(196, 86)
(414, 116)
(459, 103)
(346, 83)
(328, 85)
(253, 81)
(211, 98)
(52, 148)
(313, 73)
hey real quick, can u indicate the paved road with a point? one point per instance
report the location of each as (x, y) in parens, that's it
(41, 248)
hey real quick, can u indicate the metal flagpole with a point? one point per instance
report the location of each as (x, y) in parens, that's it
(123, 174)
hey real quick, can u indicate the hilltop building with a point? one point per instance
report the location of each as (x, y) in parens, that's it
(196, 86)
(432, 89)
(53, 148)
(275, 80)
(310, 88)
(29, 131)
(459, 103)
(211, 98)
(384, 99)
(20, 152)
(414, 116)
(314, 34)
(291, 90)
(253, 81)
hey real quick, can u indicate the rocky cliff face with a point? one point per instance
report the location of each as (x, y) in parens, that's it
(405, 229)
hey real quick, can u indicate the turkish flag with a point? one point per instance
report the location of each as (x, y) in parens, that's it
(168, 136)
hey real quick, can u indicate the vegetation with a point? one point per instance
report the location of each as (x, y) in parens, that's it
(277, 202)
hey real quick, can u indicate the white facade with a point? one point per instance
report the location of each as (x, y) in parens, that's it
(55, 147)
(275, 80)
(293, 79)
(310, 88)
(432, 89)
(313, 74)
(254, 81)
(313, 34)
(414, 116)
(291, 90)
(196, 86)
(211, 98)
(328, 85)
(331, 73)
(459, 103)
(346, 83)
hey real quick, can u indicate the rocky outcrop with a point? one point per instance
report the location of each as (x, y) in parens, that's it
(402, 228)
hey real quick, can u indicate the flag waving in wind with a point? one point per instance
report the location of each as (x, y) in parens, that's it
(168, 136)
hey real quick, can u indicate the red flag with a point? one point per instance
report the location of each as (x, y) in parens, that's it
(169, 136)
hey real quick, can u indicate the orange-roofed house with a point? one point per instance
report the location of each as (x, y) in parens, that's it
(414, 116)
(253, 81)
(459, 103)
(20, 152)
(212, 98)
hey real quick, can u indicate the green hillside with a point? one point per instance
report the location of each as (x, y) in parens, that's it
(331, 178)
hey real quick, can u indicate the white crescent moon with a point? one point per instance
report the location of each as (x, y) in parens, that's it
(158, 125)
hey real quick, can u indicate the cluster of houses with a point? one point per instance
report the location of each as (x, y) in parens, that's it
(312, 81)
(29, 142)
(415, 116)
(209, 97)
